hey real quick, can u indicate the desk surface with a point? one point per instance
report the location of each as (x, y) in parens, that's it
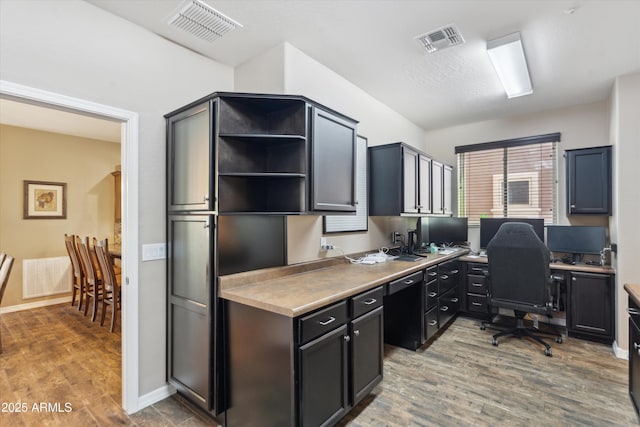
(585, 268)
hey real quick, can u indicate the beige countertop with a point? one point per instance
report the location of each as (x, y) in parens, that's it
(296, 290)
(634, 292)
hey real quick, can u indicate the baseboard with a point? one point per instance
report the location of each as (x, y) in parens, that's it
(620, 352)
(37, 304)
(155, 396)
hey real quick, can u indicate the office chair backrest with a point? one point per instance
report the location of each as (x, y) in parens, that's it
(518, 265)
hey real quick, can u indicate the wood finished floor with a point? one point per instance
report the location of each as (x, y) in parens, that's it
(55, 354)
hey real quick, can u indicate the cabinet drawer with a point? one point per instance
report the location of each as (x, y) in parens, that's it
(431, 323)
(477, 284)
(477, 303)
(367, 301)
(448, 306)
(321, 322)
(431, 274)
(405, 282)
(430, 295)
(477, 268)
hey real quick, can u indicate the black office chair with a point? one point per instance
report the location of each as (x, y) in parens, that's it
(519, 278)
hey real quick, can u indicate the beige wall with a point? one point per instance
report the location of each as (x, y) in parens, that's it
(76, 49)
(84, 164)
(625, 137)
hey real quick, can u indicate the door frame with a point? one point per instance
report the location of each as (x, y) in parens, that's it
(129, 154)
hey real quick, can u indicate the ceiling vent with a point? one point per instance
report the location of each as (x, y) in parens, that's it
(201, 20)
(441, 38)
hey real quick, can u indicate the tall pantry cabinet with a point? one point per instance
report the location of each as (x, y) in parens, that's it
(241, 162)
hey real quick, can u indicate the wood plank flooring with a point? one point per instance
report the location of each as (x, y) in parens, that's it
(55, 354)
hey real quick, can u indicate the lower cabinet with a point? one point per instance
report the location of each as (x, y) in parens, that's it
(634, 354)
(477, 303)
(590, 311)
(305, 371)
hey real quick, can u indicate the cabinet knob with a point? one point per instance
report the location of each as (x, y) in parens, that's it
(347, 338)
(636, 346)
(573, 279)
(572, 206)
(356, 333)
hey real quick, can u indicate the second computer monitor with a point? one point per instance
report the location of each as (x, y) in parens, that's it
(441, 230)
(489, 227)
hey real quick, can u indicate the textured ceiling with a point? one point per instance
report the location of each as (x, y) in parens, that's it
(573, 57)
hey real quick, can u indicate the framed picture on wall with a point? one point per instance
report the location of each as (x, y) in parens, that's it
(45, 200)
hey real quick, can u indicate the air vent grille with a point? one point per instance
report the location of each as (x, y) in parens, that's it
(441, 38)
(203, 21)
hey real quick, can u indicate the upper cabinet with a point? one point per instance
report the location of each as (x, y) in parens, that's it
(190, 159)
(406, 181)
(589, 181)
(253, 154)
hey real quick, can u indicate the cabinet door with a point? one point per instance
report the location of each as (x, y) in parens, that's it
(333, 163)
(589, 181)
(447, 190)
(634, 365)
(367, 349)
(437, 189)
(424, 184)
(190, 162)
(409, 181)
(190, 310)
(591, 301)
(323, 379)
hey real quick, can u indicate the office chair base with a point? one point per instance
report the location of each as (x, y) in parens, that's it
(521, 331)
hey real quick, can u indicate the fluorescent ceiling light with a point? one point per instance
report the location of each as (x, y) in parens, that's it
(507, 55)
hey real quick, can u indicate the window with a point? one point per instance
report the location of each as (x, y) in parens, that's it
(516, 178)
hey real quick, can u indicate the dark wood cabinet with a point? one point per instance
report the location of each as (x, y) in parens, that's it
(323, 365)
(367, 350)
(591, 312)
(405, 181)
(190, 159)
(191, 313)
(333, 162)
(589, 181)
(634, 354)
(448, 291)
(477, 301)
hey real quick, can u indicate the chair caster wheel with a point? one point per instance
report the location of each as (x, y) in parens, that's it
(494, 341)
(559, 339)
(547, 352)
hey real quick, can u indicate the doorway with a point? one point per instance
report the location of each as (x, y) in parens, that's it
(129, 161)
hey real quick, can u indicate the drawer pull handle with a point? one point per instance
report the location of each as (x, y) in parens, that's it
(432, 294)
(477, 304)
(433, 274)
(633, 311)
(636, 346)
(444, 277)
(444, 308)
(370, 301)
(477, 269)
(454, 272)
(347, 338)
(477, 285)
(454, 300)
(326, 322)
(433, 323)
(408, 282)
(356, 333)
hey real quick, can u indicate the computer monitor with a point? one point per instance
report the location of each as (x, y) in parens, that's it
(576, 239)
(441, 230)
(489, 227)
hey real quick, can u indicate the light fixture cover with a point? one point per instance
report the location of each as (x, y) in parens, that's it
(507, 56)
(201, 20)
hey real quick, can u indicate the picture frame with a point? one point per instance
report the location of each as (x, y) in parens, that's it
(44, 200)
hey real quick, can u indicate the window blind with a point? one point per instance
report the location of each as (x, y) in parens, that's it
(514, 178)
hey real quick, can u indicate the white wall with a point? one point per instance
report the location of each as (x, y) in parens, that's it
(302, 75)
(625, 137)
(76, 49)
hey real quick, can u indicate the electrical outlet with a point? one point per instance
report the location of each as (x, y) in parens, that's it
(324, 246)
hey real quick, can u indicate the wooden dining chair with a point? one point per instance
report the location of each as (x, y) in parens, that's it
(77, 275)
(5, 270)
(111, 296)
(93, 283)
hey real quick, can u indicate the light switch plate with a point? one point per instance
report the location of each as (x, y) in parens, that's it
(154, 251)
